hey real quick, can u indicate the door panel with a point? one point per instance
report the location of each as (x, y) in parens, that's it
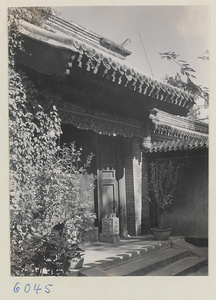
(108, 174)
(111, 180)
(107, 183)
(108, 198)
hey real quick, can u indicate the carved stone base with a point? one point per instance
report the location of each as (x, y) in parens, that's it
(109, 239)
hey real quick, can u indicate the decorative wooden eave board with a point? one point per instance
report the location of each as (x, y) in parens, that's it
(100, 123)
(79, 55)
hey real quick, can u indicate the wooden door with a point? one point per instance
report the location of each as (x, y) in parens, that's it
(108, 195)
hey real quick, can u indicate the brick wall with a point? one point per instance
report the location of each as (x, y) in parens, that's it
(145, 203)
(129, 187)
(133, 178)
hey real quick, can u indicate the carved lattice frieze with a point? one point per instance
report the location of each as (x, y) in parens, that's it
(100, 125)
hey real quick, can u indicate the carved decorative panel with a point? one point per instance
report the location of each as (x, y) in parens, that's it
(101, 125)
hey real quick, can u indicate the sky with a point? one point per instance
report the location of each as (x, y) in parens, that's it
(183, 29)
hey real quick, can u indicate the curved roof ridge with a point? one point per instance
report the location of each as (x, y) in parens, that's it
(162, 118)
(78, 44)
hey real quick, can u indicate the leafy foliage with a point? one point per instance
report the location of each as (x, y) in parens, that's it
(35, 15)
(49, 210)
(163, 184)
(53, 216)
(185, 80)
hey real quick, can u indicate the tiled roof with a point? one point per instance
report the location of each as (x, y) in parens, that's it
(106, 63)
(179, 145)
(89, 37)
(176, 126)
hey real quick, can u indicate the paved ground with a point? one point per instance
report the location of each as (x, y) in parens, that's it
(101, 251)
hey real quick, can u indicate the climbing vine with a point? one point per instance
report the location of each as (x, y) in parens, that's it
(45, 181)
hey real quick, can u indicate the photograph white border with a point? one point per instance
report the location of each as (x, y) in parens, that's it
(129, 288)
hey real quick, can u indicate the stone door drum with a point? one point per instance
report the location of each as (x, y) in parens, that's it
(107, 183)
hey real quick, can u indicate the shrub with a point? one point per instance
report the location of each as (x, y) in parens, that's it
(163, 184)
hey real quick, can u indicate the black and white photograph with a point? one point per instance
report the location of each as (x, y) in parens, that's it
(108, 141)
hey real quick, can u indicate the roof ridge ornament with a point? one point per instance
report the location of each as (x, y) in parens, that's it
(110, 45)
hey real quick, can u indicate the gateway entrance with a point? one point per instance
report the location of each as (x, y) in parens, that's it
(108, 165)
(111, 179)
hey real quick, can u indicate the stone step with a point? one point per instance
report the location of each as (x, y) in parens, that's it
(137, 250)
(138, 266)
(182, 267)
(193, 250)
(144, 265)
(201, 272)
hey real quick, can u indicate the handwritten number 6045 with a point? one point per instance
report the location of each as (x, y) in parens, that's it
(27, 288)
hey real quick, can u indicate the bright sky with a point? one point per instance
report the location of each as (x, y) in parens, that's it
(183, 29)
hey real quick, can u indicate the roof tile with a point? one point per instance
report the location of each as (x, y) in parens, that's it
(180, 144)
(98, 55)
